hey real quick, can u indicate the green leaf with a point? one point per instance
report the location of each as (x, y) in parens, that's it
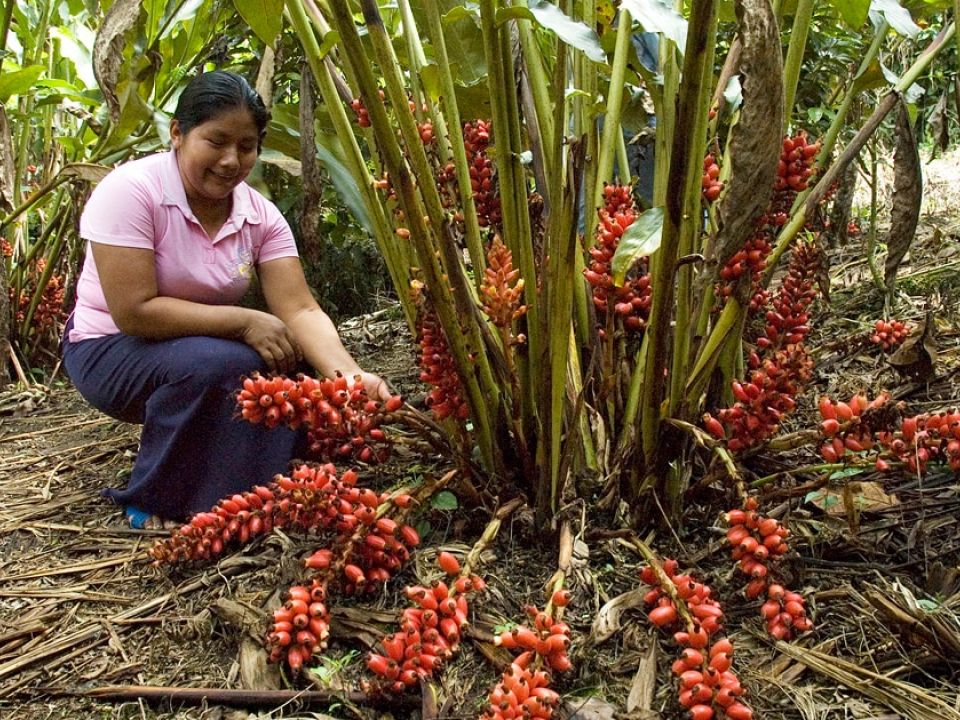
(19, 81)
(895, 14)
(873, 76)
(853, 12)
(342, 179)
(573, 33)
(845, 473)
(641, 238)
(329, 42)
(444, 500)
(264, 17)
(660, 17)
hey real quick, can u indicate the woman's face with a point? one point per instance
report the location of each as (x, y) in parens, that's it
(216, 156)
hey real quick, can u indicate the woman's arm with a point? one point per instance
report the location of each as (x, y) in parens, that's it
(128, 278)
(289, 298)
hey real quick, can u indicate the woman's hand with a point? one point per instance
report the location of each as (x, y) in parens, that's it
(273, 341)
(376, 387)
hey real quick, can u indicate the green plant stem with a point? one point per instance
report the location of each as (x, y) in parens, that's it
(682, 163)
(691, 224)
(447, 284)
(872, 233)
(5, 28)
(455, 130)
(397, 265)
(513, 194)
(611, 119)
(802, 18)
(540, 90)
(819, 468)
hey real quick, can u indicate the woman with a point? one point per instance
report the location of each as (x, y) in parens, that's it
(157, 337)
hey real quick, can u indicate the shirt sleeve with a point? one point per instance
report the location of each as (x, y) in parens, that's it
(277, 239)
(120, 212)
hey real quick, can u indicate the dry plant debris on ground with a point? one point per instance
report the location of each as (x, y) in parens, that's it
(81, 609)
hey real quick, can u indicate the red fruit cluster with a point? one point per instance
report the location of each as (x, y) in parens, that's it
(549, 639)
(6, 249)
(847, 426)
(786, 321)
(429, 632)
(762, 400)
(363, 117)
(373, 547)
(756, 540)
(793, 175)
(301, 500)
(843, 428)
(437, 367)
(501, 290)
(709, 184)
(483, 180)
(341, 421)
(300, 626)
(522, 693)
(631, 301)
(752, 260)
(49, 309)
(708, 686)
(889, 334)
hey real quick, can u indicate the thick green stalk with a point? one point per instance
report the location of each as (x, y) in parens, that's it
(872, 232)
(540, 89)
(682, 163)
(397, 264)
(691, 225)
(425, 218)
(794, 60)
(611, 118)
(585, 79)
(5, 28)
(455, 129)
(558, 285)
(513, 190)
(724, 329)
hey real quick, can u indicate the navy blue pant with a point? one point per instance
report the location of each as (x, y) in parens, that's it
(194, 449)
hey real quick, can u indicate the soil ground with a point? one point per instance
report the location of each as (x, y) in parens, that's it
(81, 608)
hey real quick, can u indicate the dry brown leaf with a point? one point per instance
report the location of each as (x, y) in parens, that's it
(755, 141)
(907, 194)
(7, 201)
(256, 673)
(866, 497)
(108, 49)
(589, 709)
(916, 356)
(607, 623)
(644, 682)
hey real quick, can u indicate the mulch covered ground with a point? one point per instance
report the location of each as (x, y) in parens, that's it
(81, 609)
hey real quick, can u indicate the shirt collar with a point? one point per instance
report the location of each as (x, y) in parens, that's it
(175, 195)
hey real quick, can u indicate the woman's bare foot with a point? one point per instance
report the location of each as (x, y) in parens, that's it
(142, 520)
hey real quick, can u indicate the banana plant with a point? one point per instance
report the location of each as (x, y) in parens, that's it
(569, 388)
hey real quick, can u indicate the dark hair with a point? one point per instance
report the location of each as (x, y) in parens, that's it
(211, 93)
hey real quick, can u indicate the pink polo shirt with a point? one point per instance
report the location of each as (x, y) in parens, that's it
(142, 204)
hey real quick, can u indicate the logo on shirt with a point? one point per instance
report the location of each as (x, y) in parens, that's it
(244, 266)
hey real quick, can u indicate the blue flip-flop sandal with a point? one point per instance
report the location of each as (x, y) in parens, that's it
(137, 518)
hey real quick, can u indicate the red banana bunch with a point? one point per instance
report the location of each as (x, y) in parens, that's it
(483, 179)
(889, 334)
(549, 639)
(437, 367)
(631, 301)
(300, 626)
(710, 185)
(708, 686)
(501, 290)
(429, 632)
(756, 541)
(341, 420)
